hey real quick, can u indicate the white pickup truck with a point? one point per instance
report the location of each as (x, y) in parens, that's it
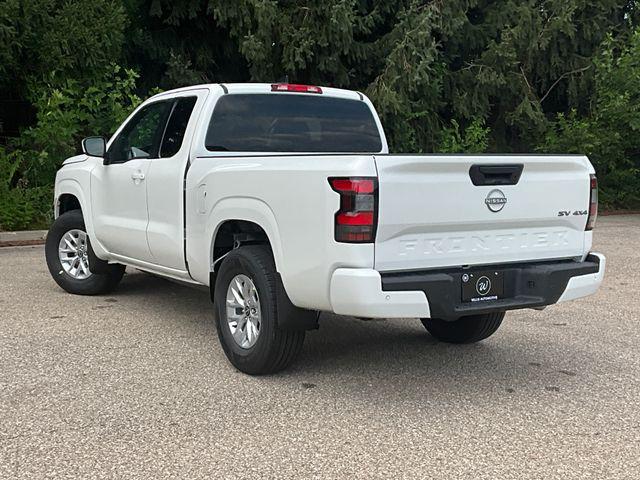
(284, 201)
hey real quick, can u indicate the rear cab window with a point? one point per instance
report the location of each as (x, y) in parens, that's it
(292, 123)
(177, 126)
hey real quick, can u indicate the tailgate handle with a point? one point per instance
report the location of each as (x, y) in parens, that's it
(495, 174)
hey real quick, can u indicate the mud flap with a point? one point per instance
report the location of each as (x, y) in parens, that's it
(291, 317)
(96, 265)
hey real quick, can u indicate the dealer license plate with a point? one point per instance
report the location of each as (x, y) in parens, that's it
(482, 286)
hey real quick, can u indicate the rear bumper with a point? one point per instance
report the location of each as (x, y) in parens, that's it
(437, 293)
(358, 292)
(584, 285)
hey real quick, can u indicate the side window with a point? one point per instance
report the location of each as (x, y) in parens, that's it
(176, 127)
(141, 137)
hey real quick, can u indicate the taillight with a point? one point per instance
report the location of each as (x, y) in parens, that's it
(292, 87)
(356, 220)
(593, 203)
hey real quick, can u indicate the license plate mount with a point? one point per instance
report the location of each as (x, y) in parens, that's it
(483, 286)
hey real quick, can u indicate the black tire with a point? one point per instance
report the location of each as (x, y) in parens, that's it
(471, 329)
(96, 283)
(275, 348)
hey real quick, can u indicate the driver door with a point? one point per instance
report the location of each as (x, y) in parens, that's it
(119, 188)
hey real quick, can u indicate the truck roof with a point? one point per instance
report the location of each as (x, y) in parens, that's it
(235, 88)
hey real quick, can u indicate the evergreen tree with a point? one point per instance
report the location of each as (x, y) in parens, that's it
(445, 75)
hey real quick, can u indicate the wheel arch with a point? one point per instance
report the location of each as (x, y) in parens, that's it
(67, 202)
(243, 215)
(232, 232)
(69, 196)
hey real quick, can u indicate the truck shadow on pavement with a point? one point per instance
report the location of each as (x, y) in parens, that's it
(394, 356)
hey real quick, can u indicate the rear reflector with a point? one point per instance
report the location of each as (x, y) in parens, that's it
(292, 87)
(355, 221)
(355, 218)
(593, 203)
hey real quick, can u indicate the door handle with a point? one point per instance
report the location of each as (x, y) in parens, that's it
(137, 177)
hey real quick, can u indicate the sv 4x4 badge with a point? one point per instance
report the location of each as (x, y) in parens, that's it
(567, 213)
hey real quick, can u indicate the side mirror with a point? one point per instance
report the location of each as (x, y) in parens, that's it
(94, 146)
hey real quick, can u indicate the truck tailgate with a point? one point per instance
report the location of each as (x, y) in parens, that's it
(431, 214)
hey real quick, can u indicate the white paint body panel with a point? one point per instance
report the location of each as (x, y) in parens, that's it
(119, 203)
(291, 199)
(430, 215)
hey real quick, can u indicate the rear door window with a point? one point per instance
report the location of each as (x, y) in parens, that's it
(177, 126)
(292, 123)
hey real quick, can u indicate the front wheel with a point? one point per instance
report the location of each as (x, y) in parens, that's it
(247, 313)
(471, 329)
(67, 253)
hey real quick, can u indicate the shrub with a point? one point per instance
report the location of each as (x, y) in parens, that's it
(474, 139)
(66, 113)
(610, 133)
(21, 207)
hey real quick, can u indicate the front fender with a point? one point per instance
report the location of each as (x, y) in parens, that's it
(73, 186)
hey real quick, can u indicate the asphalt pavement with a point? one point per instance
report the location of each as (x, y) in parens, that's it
(135, 385)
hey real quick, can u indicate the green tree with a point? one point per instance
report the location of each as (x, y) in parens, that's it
(610, 132)
(508, 63)
(55, 40)
(454, 75)
(66, 114)
(60, 55)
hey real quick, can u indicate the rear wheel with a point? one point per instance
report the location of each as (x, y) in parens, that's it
(471, 329)
(247, 313)
(67, 253)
